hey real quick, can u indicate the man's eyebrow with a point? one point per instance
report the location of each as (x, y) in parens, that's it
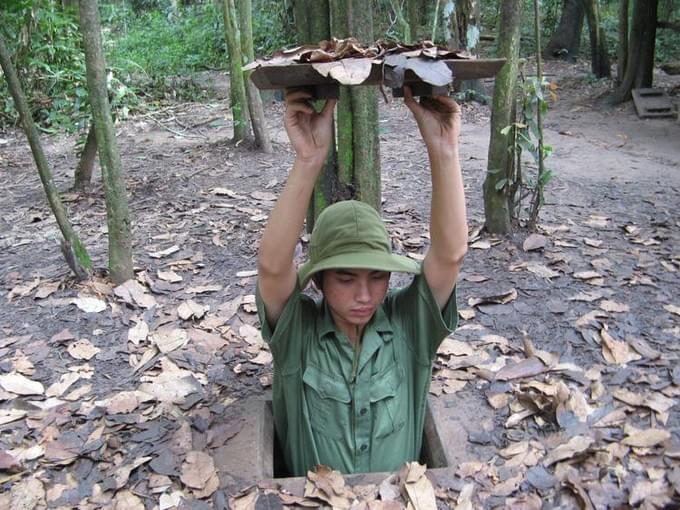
(347, 272)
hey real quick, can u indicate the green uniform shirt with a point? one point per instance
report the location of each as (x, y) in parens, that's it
(355, 412)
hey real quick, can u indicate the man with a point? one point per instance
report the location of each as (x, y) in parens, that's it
(352, 371)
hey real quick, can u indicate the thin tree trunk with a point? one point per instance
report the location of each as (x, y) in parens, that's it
(83, 174)
(565, 42)
(464, 34)
(414, 15)
(640, 63)
(497, 208)
(255, 107)
(622, 50)
(348, 17)
(645, 74)
(312, 24)
(120, 236)
(73, 249)
(537, 200)
(239, 101)
(598, 45)
(312, 20)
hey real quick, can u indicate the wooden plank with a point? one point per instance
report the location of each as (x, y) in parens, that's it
(294, 75)
(652, 102)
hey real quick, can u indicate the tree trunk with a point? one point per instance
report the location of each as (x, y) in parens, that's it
(120, 236)
(74, 250)
(565, 42)
(598, 43)
(254, 99)
(312, 20)
(640, 63)
(622, 49)
(463, 34)
(413, 13)
(83, 174)
(239, 101)
(312, 24)
(497, 208)
(358, 116)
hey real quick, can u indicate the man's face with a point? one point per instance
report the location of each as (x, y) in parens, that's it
(353, 295)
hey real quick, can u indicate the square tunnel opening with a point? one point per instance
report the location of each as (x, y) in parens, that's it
(432, 452)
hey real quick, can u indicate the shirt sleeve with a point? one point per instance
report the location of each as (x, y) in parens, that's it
(285, 339)
(415, 309)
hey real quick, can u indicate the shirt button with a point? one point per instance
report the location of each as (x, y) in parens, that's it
(363, 411)
(364, 447)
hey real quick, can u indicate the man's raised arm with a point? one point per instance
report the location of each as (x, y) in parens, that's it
(438, 120)
(310, 134)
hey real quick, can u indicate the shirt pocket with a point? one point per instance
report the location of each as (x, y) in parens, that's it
(328, 403)
(387, 403)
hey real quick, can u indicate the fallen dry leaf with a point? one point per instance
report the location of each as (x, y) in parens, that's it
(126, 500)
(672, 309)
(646, 438)
(134, 294)
(615, 351)
(169, 276)
(197, 469)
(89, 304)
(568, 450)
(138, 333)
(329, 486)
(27, 494)
(534, 242)
(498, 299)
(169, 340)
(82, 349)
(418, 488)
(21, 385)
(451, 347)
(191, 310)
(613, 306)
(164, 253)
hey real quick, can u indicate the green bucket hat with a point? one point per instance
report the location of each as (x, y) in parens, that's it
(351, 235)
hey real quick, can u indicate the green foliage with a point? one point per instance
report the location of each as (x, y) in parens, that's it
(150, 45)
(524, 181)
(273, 26)
(49, 59)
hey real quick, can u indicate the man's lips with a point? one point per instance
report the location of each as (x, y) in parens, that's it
(362, 312)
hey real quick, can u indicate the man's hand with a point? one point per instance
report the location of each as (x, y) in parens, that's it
(308, 131)
(438, 120)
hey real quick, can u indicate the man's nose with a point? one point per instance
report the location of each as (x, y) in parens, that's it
(362, 293)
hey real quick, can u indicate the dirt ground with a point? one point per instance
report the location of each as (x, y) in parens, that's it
(90, 399)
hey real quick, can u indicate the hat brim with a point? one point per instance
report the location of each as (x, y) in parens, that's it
(376, 261)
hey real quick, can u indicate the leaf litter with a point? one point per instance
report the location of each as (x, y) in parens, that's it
(586, 417)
